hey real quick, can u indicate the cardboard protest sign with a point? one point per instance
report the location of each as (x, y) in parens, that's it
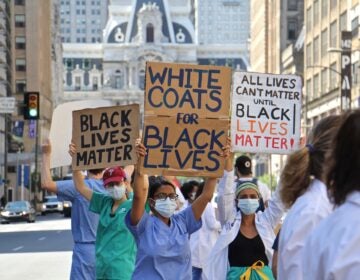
(105, 136)
(186, 119)
(266, 112)
(61, 128)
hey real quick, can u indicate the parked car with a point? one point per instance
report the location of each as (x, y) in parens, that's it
(51, 204)
(18, 211)
(67, 204)
(67, 208)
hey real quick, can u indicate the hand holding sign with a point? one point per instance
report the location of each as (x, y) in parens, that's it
(265, 113)
(105, 136)
(186, 119)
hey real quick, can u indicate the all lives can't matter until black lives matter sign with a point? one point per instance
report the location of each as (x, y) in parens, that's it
(266, 113)
(105, 136)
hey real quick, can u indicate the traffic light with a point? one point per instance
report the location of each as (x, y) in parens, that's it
(32, 106)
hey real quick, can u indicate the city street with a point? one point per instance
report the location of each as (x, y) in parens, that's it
(41, 250)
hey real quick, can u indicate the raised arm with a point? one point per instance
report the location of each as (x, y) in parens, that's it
(78, 178)
(47, 182)
(200, 203)
(141, 186)
(226, 193)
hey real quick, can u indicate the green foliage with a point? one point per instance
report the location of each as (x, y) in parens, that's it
(266, 178)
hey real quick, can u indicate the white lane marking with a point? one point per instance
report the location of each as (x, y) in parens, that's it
(18, 248)
(42, 238)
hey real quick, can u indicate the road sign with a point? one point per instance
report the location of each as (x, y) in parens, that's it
(7, 105)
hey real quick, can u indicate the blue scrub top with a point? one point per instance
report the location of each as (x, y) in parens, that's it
(83, 222)
(163, 251)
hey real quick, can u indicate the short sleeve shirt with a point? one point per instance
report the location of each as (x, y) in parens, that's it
(164, 251)
(115, 245)
(83, 222)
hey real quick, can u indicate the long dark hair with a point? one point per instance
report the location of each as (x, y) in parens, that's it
(343, 172)
(187, 188)
(308, 161)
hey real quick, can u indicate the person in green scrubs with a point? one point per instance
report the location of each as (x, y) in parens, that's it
(115, 245)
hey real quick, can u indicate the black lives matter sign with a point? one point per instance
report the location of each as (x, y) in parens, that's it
(105, 136)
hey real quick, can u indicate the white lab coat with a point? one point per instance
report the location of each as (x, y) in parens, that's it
(203, 240)
(217, 264)
(305, 214)
(332, 251)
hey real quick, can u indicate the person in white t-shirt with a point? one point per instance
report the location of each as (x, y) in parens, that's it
(203, 240)
(304, 193)
(332, 251)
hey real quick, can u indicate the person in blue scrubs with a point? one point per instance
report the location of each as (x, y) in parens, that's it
(83, 222)
(162, 237)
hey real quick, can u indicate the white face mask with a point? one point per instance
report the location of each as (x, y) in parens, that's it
(117, 192)
(248, 206)
(165, 208)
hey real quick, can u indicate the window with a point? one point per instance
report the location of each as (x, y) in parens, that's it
(20, 2)
(292, 29)
(142, 79)
(308, 88)
(316, 50)
(86, 64)
(77, 82)
(343, 21)
(149, 33)
(316, 12)
(20, 86)
(308, 19)
(19, 20)
(119, 81)
(20, 42)
(316, 86)
(324, 81)
(95, 83)
(324, 8)
(308, 54)
(20, 64)
(355, 26)
(69, 64)
(333, 4)
(292, 5)
(333, 76)
(324, 42)
(333, 34)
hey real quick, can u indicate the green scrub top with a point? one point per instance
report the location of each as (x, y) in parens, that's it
(115, 245)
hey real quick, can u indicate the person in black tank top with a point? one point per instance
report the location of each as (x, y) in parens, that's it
(244, 251)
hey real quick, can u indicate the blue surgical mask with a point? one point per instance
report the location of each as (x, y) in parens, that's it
(117, 192)
(165, 208)
(248, 206)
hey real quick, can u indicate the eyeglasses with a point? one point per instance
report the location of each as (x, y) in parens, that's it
(164, 196)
